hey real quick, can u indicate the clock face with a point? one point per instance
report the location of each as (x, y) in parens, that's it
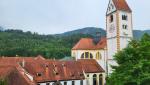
(112, 28)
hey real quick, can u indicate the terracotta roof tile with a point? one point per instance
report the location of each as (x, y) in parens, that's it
(13, 76)
(101, 44)
(44, 70)
(88, 44)
(121, 5)
(90, 66)
(5, 71)
(84, 44)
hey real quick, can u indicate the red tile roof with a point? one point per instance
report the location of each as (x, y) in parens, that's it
(121, 5)
(53, 70)
(90, 66)
(44, 70)
(5, 71)
(14, 76)
(88, 44)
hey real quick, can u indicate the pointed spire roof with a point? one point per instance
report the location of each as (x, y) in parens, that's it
(121, 5)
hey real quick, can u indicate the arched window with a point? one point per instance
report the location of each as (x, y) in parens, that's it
(86, 55)
(57, 83)
(91, 56)
(82, 56)
(111, 18)
(100, 79)
(98, 56)
(94, 79)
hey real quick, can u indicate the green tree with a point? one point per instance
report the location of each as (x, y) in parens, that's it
(3, 82)
(17, 42)
(133, 64)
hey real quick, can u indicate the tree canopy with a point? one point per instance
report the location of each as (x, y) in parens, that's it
(3, 82)
(133, 64)
(19, 43)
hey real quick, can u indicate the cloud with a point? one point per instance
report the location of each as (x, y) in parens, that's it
(57, 16)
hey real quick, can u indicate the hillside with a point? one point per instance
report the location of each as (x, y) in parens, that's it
(92, 30)
(138, 33)
(19, 43)
(88, 30)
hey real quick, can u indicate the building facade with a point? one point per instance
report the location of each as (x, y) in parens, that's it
(87, 49)
(118, 28)
(119, 33)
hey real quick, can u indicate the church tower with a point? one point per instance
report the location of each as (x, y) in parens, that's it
(118, 27)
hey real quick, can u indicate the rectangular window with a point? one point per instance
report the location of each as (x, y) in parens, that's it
(47, 84)
(81, 82)
(111, 18)
(73, 82)
(65, 83)
(124, 17)
(125, 26)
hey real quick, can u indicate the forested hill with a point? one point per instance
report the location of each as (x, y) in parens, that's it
(19, 43)
(137, 34)
(87, 30)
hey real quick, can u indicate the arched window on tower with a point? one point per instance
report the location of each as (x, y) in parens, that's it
(111, 18)
(98, 56)
(94, 79)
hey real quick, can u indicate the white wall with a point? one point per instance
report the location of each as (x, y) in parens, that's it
(109, 24)
(69, 82)
(112, 37)
(124, 39)
(127, 22)
(77, 54)
(89, 80)
(111, 47)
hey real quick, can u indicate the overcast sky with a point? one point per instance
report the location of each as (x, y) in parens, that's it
(57, 16)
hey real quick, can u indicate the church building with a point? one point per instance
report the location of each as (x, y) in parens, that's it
(119, 32)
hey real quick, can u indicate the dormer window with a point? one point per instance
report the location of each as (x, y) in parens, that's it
(111, 18)
(39, 74)
(46, 65)
(55, 72)
(63, 65)
(54, 65)
(81, 74)
(124, 17)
